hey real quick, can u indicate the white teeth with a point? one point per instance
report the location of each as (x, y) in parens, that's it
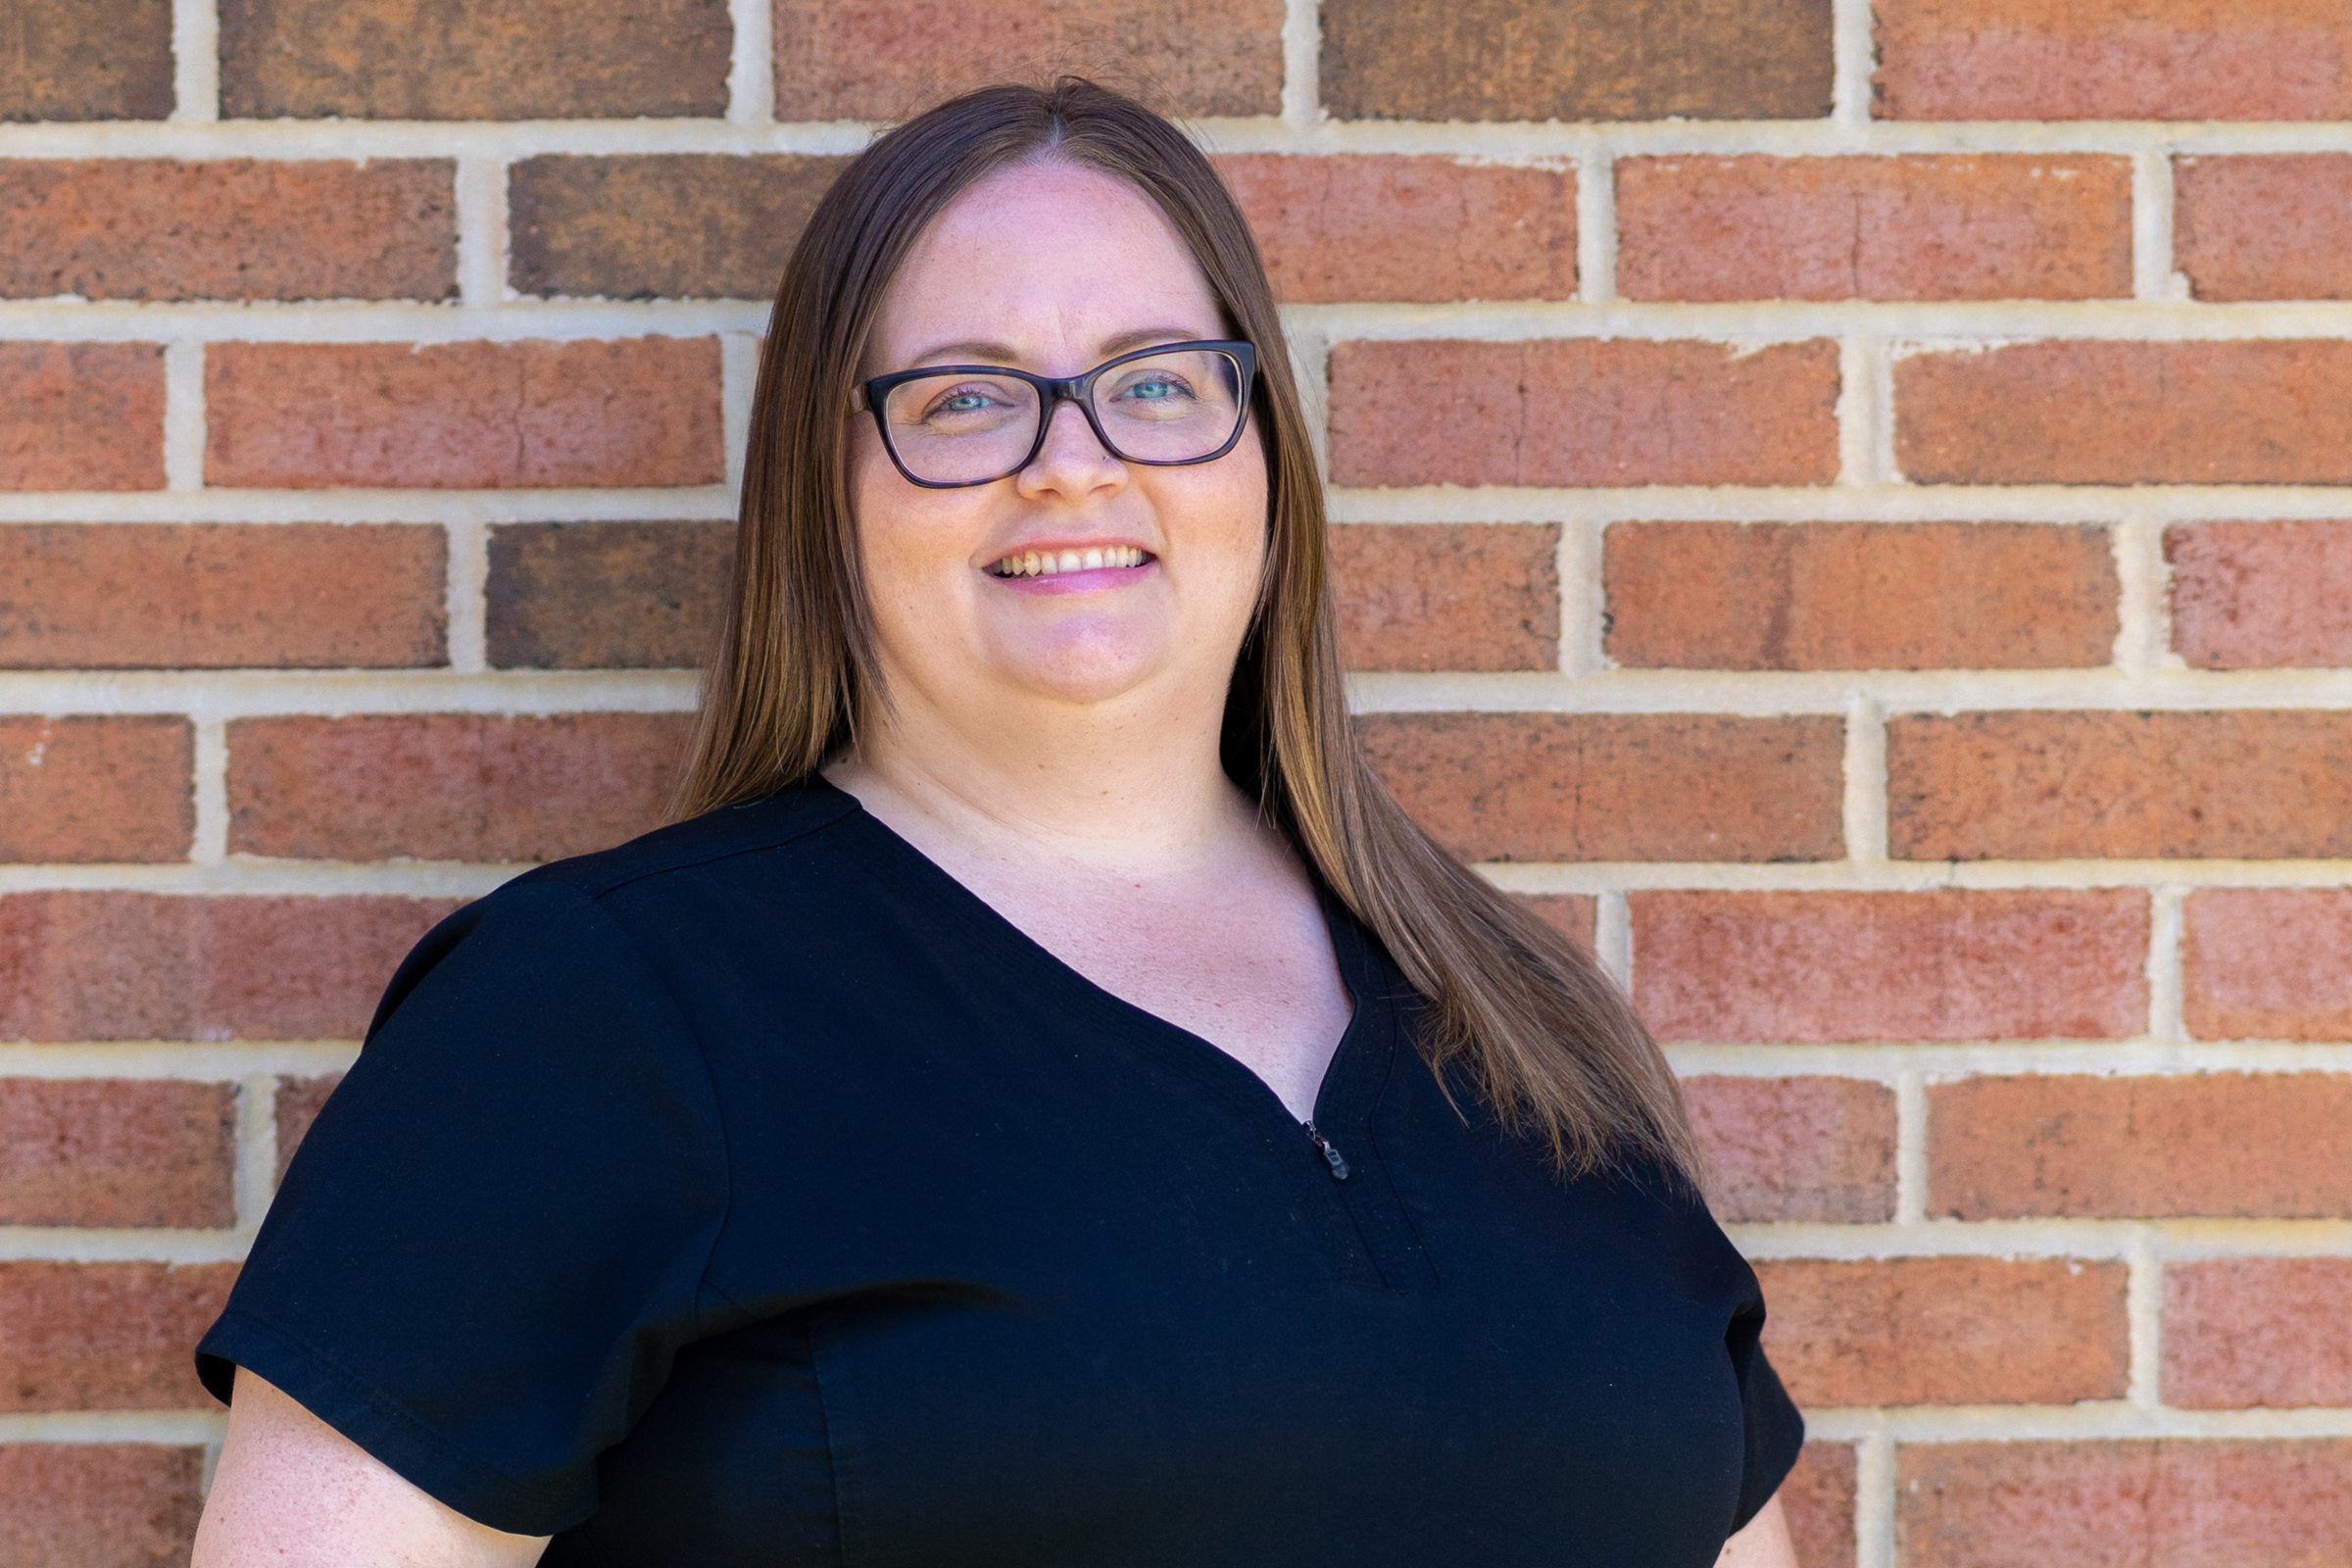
(1049, 563)
(1070, 561)
(1094, 561)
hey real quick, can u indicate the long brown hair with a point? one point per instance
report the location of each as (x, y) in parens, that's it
(1541, 1034)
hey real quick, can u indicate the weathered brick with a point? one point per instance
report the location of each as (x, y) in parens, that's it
(160, 228)
(1578, 60)
(1616, 787)
(2267, 964)
(1985, 227)
(99, 1504)
(890, 59)
(660, 225)
(1948, 1329)
(1582, 411)
(297, 1104)
(1944, 966)
(2262, 595)
(2113, 60)
(2242, 1144)
(82, 416)
(115, 1151)
(71, 60)
(2275, 227)
(449, 786)
(1568, 913)
(1347, 227)
(87, 789)
(2270, 411)
(1448, 596)
(219, 596)
(2181, 1502)
(466, 416)
(606, 595)
(472, 59)
(2256, 1331)
(105, 1335)
(1796, 1149)
(1818, 1500)
(1859, 595)
(152, 966)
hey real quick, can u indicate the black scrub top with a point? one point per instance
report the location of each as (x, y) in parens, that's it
(755, 1194)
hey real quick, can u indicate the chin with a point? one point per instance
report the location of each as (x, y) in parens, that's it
(1090, 673)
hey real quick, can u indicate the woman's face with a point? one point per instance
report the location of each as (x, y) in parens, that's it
(1053, 269)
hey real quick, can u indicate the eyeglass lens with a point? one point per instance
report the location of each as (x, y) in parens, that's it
(962, 429)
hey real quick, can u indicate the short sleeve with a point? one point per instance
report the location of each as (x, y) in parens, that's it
(1774, 1431)
(493, 1240)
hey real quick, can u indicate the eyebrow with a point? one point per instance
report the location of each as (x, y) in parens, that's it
(1005, 354)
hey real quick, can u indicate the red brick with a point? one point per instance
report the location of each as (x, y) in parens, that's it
(661, 225)
(1859, 595)
(1948, 1329)
(2262, 595)
(158, 228)
(2114, 59)
(151, 966)
(2222, 1144)
(99, 1504)
(1946, 965)
(1960, 227)
(2267, 964)
(1818, 1498)
(466, 415)
(2178, 1503)
(608, 595)
(1616, 787)
(1568, 913)
(2268, 228)
(449, 786)
(1448, 596)
(219, 596)
(117, 1151)
(1347, 227)
(70, 60)
(82, 416)
(472, 59)
(298, 1103)
(2257, 1330)
(1582, 411)
(96, 789)
(2273, 411)
(1796, 1149)
(105, 1335)
(889, 59)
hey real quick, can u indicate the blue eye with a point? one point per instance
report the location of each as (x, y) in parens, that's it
(1153, 389)
(963, 403)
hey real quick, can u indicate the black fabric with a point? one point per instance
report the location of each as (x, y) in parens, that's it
(755, 1194)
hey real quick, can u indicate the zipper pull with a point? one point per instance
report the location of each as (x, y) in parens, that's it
(1331, 1156)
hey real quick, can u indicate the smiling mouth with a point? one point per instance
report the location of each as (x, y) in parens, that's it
(1053, 563)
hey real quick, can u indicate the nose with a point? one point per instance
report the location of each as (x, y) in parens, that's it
(1072, 463)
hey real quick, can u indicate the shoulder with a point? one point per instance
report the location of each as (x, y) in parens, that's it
(699, 845)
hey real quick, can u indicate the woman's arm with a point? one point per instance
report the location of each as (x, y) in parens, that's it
(1762, 1542)
(292, 1491)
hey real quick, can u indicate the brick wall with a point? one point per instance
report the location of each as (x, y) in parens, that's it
(1864, 539)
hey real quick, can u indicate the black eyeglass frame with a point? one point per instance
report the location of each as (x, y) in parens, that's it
(1054, 391)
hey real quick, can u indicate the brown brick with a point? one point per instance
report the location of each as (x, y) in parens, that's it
(2180, 1502)
(661, 225)
(465, 416)
(2114, 59)
(152, 966)
(1960, 227)
(117, 788)
(2267, 964)
(2257, 1330)
(2225, 1144)
(82, 416)
(449, 786)
(2019, 964)
(1796, 1149)
(1859, 595)
(1616, 787)
(158, 228)
(1948, 1329)
(1818, 1498)
(71, 60)
(117, 1152)
(889, 59)
(2273, 411)
(219, 596)
(472, 59)
(1448, 596)
(298, 1103)
(1568, 913)
(99, 1504)
(105, 1335)
(1347, 227)
(1582, 411)
(2276, 226)
(608, 595)
(2262, 595)
(1576, 60)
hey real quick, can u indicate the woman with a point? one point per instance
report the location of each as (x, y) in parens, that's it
(1044, 1105)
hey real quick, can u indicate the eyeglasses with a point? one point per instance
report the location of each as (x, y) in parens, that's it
(949, 426)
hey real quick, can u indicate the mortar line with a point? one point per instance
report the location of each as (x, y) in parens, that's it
(2136, 543)
(1581, 564)
(2143, 1310)
(481, 209)
(1595, 219)
(209, 787)
(1854, 53)
(1910, 1146)
(2152, 238)
(467, 602)
(1865, 809)
(184, 429)
(256, 1149)
(195, 62)
(739, 379)
(1302, 65)
(1613, 938)
(752, 65)
(1875, 1499)
(1860, 461)
(1885, 469)
(2165, 919)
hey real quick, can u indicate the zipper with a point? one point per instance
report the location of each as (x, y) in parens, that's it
(1331, 1156)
